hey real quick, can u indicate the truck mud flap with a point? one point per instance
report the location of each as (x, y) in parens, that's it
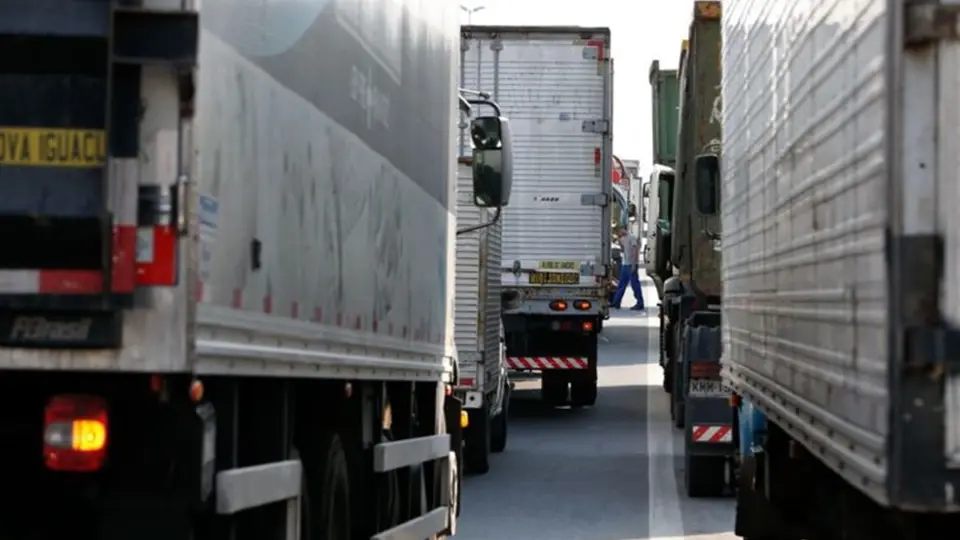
(709, 416)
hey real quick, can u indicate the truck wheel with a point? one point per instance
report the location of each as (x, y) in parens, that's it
(677, 412)
(553, 388)
(583, 391)
(327, 483)
(477, 451)
(705, 476)
(498, 437)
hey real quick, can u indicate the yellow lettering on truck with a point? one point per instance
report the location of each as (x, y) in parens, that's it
(52, 147)
(559, 265)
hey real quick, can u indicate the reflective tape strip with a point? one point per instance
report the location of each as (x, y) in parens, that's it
(712, 434)
(547, 362)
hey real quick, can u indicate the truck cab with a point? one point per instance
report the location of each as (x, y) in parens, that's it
(657, 213)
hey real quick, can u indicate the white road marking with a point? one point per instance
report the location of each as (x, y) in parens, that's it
(665, 519)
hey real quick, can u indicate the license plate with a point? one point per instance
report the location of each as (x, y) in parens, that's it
(554, 278)
(708, 389)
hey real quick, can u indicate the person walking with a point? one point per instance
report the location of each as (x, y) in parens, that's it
(629, 270)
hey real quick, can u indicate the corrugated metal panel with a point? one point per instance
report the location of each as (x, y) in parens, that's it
(467, 304)
(491, 314)
(477, 326)
(547, 86)
(804, 276)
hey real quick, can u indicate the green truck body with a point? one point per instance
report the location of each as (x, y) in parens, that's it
(666, 101)
(695, 238)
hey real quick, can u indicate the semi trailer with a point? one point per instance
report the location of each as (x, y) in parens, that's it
(556, 85)
(227, 281)
(692, 293)
(665, 94)
(840, 268)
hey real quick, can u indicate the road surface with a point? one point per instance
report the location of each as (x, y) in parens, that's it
(612, 472)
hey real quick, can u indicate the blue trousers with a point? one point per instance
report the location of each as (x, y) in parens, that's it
(628, 274)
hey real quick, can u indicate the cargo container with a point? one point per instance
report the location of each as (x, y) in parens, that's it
(227, 270)
(665, 95)
(556, 85)
(840, 268)
(692, 294)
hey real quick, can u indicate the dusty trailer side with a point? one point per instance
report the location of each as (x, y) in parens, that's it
(227, 281)
(839, 191)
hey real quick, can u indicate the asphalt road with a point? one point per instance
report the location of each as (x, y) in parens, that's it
(611, 472)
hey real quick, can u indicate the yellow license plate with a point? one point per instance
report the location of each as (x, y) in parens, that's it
(52, 147)
(554, 278)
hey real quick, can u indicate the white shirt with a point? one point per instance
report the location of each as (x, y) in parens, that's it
(631, 249)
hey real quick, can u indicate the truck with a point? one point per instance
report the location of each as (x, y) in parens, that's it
(227, 281)
(692, 295)
(665, 93)
(840, 238)
(556, 85)
(483, 385)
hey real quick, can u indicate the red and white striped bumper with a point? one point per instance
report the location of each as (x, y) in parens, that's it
(547, 362)
(712, 434)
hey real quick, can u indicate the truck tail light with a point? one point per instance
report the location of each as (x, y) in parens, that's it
(582, 305)
(75, 433)
(558, 305)
(705, 370)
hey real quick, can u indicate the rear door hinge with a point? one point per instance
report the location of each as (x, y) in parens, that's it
(594, 199)
(600, 126)
(927, 22)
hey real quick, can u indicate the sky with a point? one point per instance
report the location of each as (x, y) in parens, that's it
(640, 33)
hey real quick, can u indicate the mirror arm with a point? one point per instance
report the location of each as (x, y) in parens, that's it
(472, 228)
(489, 102)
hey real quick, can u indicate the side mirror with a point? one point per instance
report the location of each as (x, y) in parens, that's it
(707, 168)
(492, 161)
(632, 210)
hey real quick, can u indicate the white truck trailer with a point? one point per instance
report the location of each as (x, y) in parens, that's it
(227, 270)
(483, 384)
(841, 266)
(556, 84)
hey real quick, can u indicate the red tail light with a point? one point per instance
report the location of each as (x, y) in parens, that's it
(75, 433)
(581, 305)
(705, 370)
(558, 305)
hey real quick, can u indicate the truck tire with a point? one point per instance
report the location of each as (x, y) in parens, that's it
(477, 440)
(583, 391)
(677, 412)
(498, 436)
(327, 484)
(553, 388)
(705, 476)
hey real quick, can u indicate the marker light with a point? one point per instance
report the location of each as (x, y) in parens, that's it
(75, 433)
(558, 305)
(582, 305)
